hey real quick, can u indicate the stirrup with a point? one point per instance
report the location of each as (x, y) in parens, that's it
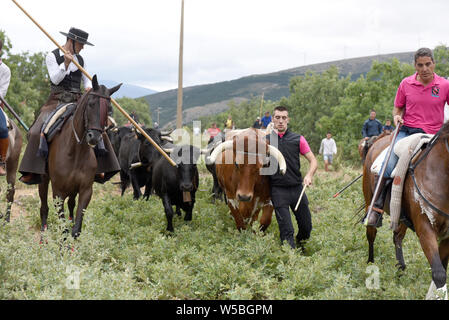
(376, 216)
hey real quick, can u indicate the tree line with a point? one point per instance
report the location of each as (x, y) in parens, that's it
(30, 86)
(328, 101)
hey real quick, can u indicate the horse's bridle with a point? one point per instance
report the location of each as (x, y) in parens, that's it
(412, 168)
(103, 111)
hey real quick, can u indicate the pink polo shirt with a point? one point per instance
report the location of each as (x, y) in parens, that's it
(304, 147)
(424, 106)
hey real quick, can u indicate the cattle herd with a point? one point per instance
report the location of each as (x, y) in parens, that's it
(235, 160)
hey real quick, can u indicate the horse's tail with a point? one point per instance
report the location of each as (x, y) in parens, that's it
(359, 214)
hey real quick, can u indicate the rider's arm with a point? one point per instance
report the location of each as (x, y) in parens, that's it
(397, 115)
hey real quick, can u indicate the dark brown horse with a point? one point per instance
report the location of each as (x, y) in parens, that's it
(12, 163)
(425, 205)
(72, 163)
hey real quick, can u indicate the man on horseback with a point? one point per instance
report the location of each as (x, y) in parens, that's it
(5, 77)
(419, 108)
(66, 81)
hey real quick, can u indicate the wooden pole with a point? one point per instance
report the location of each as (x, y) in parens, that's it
(131, 120)
(261, 105)
(180, 74)
(300, 197)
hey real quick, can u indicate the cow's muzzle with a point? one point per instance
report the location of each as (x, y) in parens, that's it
(186, 187)
(244, 197)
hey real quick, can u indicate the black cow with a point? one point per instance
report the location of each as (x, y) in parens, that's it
(137, 157)
(176, 186)
(116, 135)
(217, 192)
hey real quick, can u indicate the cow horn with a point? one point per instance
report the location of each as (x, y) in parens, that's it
(273, 151)
(167, 139)
(218, 150)
(168, 150)
(166, 133)
(114, 124)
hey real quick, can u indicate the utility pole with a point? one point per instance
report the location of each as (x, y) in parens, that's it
(158, 110)
(180, 74)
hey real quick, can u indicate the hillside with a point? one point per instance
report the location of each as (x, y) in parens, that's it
(209, 99)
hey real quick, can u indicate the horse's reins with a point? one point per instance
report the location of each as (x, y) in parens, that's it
(412, 168)
(103, 111)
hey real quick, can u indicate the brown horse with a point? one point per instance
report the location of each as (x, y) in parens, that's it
(72, 163)
(12, 163)
(425, 205)
(365, 145)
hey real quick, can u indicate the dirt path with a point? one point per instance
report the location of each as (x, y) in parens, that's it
(22, 194)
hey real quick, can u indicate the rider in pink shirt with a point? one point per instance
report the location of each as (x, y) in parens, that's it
(419, 107)
(424, 104)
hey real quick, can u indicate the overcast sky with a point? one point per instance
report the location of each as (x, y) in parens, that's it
(137, 41)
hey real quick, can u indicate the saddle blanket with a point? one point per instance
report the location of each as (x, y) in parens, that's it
(56, 119)
(405, 149)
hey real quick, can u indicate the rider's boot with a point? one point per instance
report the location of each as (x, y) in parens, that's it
(374, 215)
(4, 144)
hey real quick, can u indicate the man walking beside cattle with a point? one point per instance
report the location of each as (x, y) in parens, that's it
(287, 189)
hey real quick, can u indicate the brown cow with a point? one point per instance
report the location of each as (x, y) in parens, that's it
(238, 165)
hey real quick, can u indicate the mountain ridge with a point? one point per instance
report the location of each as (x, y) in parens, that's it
(212, 98)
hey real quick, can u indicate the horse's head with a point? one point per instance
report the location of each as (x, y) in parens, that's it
(97, 110)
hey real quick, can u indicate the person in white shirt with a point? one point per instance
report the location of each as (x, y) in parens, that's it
(328, 149)
(5, 78)
(66, 81)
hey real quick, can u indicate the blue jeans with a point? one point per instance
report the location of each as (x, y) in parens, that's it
(3, 126)
(403, 133)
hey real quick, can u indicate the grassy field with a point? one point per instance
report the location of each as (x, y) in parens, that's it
(125, 253)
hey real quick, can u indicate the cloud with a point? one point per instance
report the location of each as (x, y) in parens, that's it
(137, 42)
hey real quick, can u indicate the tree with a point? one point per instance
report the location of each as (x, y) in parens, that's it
(29, 87)
(314, 96)
(140, 106)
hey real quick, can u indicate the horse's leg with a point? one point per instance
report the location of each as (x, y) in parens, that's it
(71, 204)
(398, 236)
(83, 201)
(371, 233)
(429, 244)
(43, 194)
(11, 179)
(444, 252)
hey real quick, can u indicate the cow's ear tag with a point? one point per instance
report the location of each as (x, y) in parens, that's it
(187, 197)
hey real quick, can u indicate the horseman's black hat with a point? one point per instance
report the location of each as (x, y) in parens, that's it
(78, 35)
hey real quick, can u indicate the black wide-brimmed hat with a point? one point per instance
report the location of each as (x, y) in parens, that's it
(78, 35)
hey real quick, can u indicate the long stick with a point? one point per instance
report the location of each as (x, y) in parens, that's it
(350, 184)
(261, 105)
(131, 120)
(300, 197)
(14, 114)
(382, 171)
